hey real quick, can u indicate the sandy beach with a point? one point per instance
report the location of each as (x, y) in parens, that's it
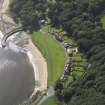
(40, 67)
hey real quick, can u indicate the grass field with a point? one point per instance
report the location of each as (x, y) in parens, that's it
(52, 51)
(50, 101)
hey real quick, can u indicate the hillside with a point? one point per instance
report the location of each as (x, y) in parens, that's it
(83, 21)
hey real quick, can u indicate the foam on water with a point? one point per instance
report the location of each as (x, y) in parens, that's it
(10, 44)
(1, 36)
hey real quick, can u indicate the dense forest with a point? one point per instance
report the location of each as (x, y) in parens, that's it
(81, 20)
(29, 13)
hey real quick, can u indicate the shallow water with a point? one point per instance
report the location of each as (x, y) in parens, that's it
(16, 77)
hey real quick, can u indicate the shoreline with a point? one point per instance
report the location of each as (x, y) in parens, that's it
(40, 67)
(36, 58)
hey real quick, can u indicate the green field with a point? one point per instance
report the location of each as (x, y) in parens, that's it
(50, 101)
(52, 51)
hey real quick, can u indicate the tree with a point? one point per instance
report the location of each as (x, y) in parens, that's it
(85, 44)
(29, 13)
(88, 97)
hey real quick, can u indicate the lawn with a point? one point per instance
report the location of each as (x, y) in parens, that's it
(52, 51)
(50, 101)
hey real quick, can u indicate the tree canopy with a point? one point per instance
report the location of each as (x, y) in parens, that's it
(81, 20)
(29, 12)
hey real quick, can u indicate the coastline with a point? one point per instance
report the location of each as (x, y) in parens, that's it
(40, 67)
(36, 58)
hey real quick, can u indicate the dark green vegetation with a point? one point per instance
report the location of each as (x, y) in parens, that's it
(29, 12)
(52, 51)
(81, 19)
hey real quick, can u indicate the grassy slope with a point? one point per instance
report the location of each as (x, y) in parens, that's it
(53, 52)
(50, 101)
